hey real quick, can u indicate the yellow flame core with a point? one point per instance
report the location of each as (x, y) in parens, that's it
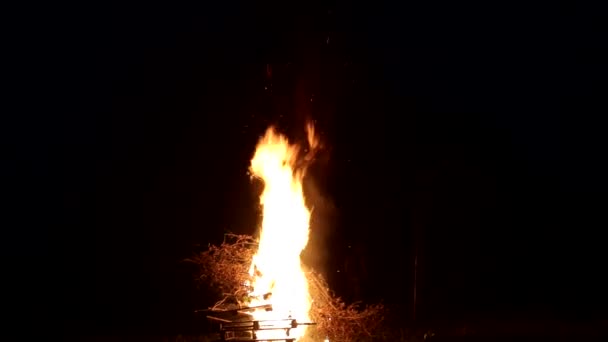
(276, 267)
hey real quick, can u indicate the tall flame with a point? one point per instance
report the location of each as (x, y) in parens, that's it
(278, 277)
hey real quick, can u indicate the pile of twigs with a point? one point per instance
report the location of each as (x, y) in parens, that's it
(226, 268)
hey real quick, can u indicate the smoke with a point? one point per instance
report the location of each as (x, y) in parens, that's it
(323, 216)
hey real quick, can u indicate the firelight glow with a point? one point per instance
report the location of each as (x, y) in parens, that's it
(278, 277)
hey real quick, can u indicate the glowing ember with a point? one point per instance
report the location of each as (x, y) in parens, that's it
(278, 277)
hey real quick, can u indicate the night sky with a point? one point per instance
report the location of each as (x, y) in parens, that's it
(469, 135)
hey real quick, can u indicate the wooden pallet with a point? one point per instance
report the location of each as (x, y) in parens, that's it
(234, 324)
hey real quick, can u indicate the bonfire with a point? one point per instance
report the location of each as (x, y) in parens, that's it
(264, 277)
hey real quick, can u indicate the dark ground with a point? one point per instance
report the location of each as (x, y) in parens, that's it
(469, 135)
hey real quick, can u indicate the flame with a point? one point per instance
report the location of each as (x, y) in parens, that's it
(278, 277)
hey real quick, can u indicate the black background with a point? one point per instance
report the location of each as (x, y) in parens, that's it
(471, 133)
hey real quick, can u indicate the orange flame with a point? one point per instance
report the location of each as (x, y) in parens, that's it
(278, 277)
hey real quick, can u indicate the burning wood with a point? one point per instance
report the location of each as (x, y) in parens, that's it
(265, 277)
(250, 330)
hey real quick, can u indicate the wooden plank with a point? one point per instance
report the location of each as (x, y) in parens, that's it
(239, 339)
(252, 329)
